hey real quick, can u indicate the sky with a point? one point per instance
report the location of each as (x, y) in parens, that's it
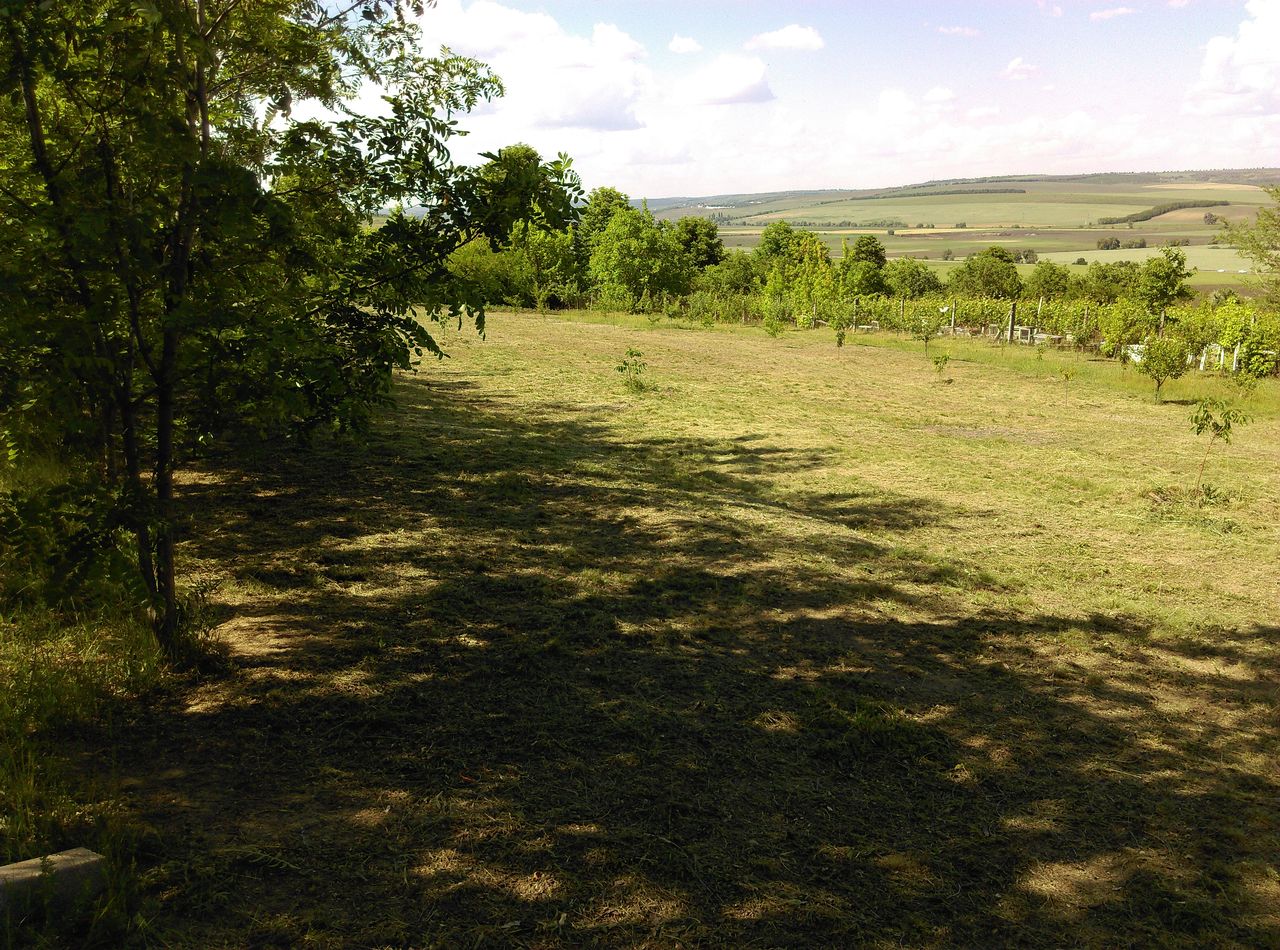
(663, 98)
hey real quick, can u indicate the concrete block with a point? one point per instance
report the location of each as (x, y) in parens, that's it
(67, 879)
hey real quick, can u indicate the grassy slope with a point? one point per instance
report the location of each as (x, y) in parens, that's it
(806, 647)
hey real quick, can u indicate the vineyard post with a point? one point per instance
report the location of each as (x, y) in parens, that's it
(1013, 313)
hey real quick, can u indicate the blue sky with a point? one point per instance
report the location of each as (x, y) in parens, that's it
(661, 98)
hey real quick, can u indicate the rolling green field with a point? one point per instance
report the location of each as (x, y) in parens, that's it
(1055, 217)
(790, 646)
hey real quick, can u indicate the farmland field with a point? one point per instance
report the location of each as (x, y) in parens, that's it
(1057, 218)
(793, 646)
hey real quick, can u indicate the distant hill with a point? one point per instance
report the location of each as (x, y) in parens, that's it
(745, 208)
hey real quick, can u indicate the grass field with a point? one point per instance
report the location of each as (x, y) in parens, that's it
(796, 647)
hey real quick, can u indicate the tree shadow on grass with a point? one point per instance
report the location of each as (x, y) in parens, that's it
(516, 680)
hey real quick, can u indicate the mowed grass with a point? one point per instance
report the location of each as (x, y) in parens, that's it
(799, 647)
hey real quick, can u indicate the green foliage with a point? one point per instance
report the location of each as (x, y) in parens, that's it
(991, 273)
(638, 259)
(1256, 333)
(634, 369)
(1163, 359)
(1049, 280)
(810, 280)
(602, 204)
(867, 249)
(1161, 281)
(940, 362)
(1196, 327)
(737, 273)
(181, 255)
(924, 321)
(1218, 418)
(910, 278)
(1107, 283)
(700, 240)
(1158, 210)
(777, 304)
(859, 279)
(1260, 242)
(66, 546)
(777, 241)
(1123, 325)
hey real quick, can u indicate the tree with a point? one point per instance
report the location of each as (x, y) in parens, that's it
(700, 239)
(1219, 419)
(602, 204)
(990, 273)
(1196, 327)
(777, 241)
(859, 279)
(1123, 324)
(1049, 280)
(860, 272)
(1163, 359)
(737, 273)
(1161, 282)
(867, 249)
(1106, 283)
(636, 257)
(924, 324)
(810, 280)
(181, 255)
(908, 277)
(1260, 242)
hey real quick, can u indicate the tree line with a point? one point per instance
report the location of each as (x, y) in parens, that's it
(619, 257)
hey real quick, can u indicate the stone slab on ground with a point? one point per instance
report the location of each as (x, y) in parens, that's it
(73, 876)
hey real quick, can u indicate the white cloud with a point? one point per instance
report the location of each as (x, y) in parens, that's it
(1240, 75)
(684, 44)
(595, 94)
(731, 79)
(1111, 13)
(793, 36)
(959, 31)
(1019, 68)
(1178, 3)
(554, 79)
(1049, 9)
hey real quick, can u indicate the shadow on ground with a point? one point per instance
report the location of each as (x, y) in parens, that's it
(515, 681)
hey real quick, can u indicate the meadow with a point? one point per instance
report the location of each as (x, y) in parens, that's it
(778, 644)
